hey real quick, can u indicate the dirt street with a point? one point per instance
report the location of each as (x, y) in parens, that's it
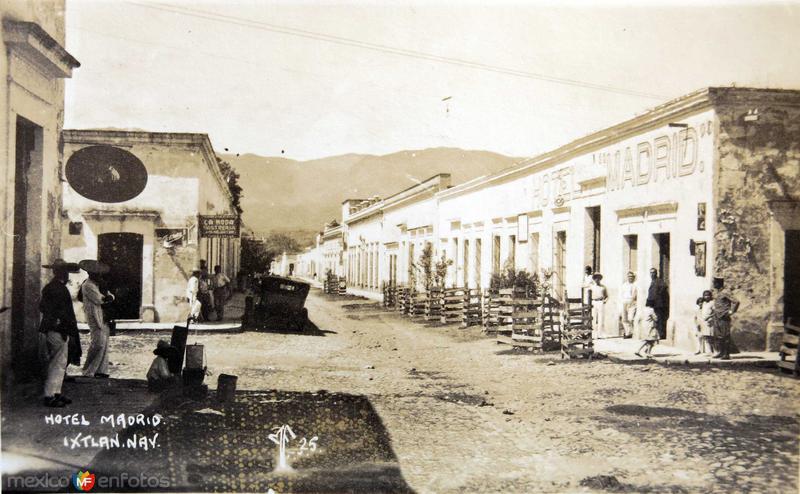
(466, 415)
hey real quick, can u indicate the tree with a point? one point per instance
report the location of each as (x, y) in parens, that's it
(255, 258)
(231, 177)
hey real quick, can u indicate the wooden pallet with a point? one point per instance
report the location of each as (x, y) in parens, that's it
(403, 300)
(526, 330)
(451, 305)
(472, 314)
(789, 348)
(389, 296)
(497, 316)
(433, 304)
(576, 332)
(418, 303)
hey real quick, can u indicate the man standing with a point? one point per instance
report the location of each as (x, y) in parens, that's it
(587, 283)
(658, 294)
(58, 325)
(222, 291)
(724, 307)
(204, 293)
(599, 295)
(627, 311)
(93, 299)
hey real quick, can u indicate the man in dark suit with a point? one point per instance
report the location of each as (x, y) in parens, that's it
(658, 294)
(59, 326)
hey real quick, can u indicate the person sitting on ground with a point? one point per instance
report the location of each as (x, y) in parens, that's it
(159, 377)
(651, 334)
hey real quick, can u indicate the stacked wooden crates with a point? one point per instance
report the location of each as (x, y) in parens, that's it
(525, 324)
(419, 300)
(404, 300)
(389, 295)
(497, 317)
(452, 305)
(789, 348)
(472, 308)
(550, 323)
(433, 304)
(576, 335)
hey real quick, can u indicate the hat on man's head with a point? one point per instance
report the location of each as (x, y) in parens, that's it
(718, 283)
(93, 266)
(62, 265)
(164, 349)
(597, 276)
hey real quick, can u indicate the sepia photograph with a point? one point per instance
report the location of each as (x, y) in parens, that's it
(400, 246)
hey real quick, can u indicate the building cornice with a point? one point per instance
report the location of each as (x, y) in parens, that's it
(33, 43)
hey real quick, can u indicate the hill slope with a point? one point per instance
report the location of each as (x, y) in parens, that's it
(281, 194)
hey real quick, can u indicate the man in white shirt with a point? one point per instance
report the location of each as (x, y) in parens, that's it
(627, 310)
(599, 296)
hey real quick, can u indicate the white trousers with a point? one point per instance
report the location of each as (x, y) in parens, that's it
(57, 352)
(598, 317)
(97, 356)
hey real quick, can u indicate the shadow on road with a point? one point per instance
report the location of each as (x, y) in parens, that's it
(338, 443)
(277, 325)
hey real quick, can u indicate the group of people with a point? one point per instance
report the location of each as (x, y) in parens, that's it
(713, 319)
(59, 326)
(657, 299)
(206, 292)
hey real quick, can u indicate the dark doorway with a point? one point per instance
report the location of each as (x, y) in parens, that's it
(661, 255)
(25, 272)
(592, 257)
(560, 273)
(791, 276)
(123, 253)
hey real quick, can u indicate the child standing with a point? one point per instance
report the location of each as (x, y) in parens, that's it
(704, 319)
(651, 335)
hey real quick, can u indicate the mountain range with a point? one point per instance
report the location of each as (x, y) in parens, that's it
(285, 195)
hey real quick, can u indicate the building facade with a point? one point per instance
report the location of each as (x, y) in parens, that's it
(33, 66)
(153, 206)
(704, 186)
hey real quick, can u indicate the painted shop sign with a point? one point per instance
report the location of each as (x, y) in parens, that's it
(219, 226)
(660, 159)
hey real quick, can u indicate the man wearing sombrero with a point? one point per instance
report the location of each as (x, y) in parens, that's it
(93, 299)
(59, 326)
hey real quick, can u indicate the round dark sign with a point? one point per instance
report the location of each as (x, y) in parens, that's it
(106, 174)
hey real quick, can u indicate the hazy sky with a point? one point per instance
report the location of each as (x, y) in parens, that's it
(314, 79)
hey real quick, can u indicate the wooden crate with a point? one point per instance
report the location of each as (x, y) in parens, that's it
(789, 347)
(403, 299)
(472, 313)
(452, 305)
(418, 304)
(576, 331)
(433, 304)
(389, 295)
(526, 330)
(497, 315)
(342, 288)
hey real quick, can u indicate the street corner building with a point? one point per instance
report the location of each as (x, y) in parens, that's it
(151, 205)
(33, 66)
(703, 186)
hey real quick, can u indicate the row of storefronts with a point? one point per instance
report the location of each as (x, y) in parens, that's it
(704, 186)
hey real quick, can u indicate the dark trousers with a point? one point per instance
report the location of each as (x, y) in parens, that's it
(205, 307)
(724, 337)
(662, 313)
